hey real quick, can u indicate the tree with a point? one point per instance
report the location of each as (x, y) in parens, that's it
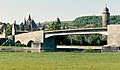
(94, 40)
(79, 40)
(9, 30)
(54, 26)
(5, 44)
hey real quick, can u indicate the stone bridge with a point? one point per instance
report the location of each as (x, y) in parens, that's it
(38, 36)
(24, 38)
(47, 38)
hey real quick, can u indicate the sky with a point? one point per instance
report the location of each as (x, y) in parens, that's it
(49, 10)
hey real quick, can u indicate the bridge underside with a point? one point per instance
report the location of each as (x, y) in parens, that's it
(76, 33)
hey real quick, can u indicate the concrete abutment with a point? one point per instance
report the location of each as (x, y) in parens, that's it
(113, 35)
(49, 45)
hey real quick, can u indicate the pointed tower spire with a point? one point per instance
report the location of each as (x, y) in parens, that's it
(106, 8)
(29, 18)
(58, 20)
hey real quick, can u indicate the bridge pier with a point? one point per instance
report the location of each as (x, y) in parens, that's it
(49, 45)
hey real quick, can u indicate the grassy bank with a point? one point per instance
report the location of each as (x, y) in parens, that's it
(59, 61)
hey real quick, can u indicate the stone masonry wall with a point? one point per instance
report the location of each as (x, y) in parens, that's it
(35, 36)
(114, 35)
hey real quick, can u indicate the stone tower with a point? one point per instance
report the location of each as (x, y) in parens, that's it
(13, 32)
(105, 17)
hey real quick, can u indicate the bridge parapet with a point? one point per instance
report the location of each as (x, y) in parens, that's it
(79, 29)
(76, 31)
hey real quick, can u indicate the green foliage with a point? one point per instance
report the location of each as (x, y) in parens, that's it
(79, 39)
(88, 51)
(115, 19)
(2, 41)
(9, 30)
(5, 44)
(20, 45)
(94, 40)
(67, 24)
(88, 21)
(85, 40)
(54, 26)
(83, 22)
(94, 21)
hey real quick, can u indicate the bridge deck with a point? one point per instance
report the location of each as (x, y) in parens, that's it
(76, 32)
(79, 47)
(79, 29)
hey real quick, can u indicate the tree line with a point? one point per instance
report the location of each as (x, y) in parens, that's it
(82, 22)
(83, 40)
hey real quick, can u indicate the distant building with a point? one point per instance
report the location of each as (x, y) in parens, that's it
(3, 26)
(28, 25)
(105, 17)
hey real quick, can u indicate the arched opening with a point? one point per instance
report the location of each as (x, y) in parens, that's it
(18, 42)
(30, 43)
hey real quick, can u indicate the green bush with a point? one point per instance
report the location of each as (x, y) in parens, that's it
(20, 45)
(88, 51)
(23, 45)
(5, 44)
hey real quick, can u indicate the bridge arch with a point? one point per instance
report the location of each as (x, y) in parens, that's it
(30, 43)
(18, 42)
(24, 38)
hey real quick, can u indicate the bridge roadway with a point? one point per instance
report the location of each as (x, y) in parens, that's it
(79, 47)
(76, 31)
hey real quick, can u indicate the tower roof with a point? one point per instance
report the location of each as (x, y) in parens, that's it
(58, 20)
(29, 18)
(106, 9)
